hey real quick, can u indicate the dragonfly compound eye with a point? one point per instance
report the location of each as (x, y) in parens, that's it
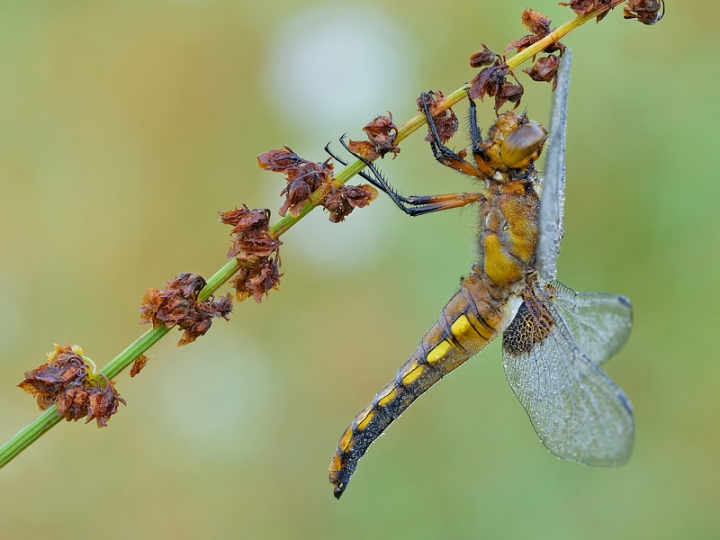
(522, 146)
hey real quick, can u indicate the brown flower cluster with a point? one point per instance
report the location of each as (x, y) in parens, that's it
(251, 237)
(177, 304)
(305, 177)
(67, 381)
(583, 7)
(381, 133)
(445, 121)
(342, 200)
(539, 27)
(257, 252)
(645, 11)
(492, 80)
(545, 69)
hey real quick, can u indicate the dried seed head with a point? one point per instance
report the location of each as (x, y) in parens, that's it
(258, 279)
(67, 381)
(536, 22)
(583, 7)
(304, 177)
(539, 25)
(340, 202)
(545, 70)
(253, 247)
(48, 381)
(251, 238)
(381, 133)
(488, 81)
(645, 11)
(484, 57)
(492, 81)
(177, 304)
(103, 402)
(279, 160)
(245, 220)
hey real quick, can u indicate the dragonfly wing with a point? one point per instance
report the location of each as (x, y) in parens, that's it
(552, 198)
(599, 323)
(576, 410)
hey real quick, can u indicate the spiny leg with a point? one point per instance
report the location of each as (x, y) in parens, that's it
(442, 153)
(422, 204)
(475, 133)
(363, 174)
(378, 180)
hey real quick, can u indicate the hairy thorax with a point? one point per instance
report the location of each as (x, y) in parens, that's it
(508, 233)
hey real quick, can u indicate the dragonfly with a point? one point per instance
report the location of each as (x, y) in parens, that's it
(554, 340)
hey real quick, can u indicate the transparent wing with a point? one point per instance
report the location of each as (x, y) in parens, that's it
(553, 188)
(576, 410)
(599, 323)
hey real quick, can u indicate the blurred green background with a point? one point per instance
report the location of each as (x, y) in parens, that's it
(126, 126)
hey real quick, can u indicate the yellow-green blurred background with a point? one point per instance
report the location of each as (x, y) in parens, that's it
(126, 126)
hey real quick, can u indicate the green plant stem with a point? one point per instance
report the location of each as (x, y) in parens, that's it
(30, 433)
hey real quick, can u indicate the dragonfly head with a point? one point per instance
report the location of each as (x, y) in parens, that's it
(523, 144)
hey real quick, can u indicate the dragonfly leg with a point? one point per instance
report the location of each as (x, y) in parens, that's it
(475, 133)
(415, 205)
(442, 153)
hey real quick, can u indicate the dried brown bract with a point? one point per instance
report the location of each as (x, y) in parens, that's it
(492, 81)
(138, 365)
(254, 248)
(536, 22)
(445, 121)
(250, 233)
(545, 70)
(67, 381)
(381, 133)
(645, 11)
(304, 177)
(360, 196)
(344, 199)
(199, 319)
(257, 279)
(539, 25)
(279, 159)
(48, 381)
(103, 402)
(177, 304)
(583, 7)
(484, 57)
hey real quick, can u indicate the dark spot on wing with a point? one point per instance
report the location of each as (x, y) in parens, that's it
(526, 330)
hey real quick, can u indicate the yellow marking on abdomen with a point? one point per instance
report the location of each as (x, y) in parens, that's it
(365, 421)
(464, 328)
(439, 352)
(460, 327)
(346, 442)
(413, 374)
(388, 398)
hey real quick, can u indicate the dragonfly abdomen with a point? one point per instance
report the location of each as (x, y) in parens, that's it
(470, 320)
